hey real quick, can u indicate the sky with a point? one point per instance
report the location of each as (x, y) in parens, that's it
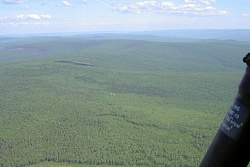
(50, 16)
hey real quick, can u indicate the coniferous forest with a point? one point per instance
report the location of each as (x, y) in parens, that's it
(71, 101)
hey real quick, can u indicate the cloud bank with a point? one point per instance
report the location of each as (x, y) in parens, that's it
(189, 7)
(21, 19)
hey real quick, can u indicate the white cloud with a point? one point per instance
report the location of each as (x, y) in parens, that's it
(3, 19)
(225, 13)
(147, 4)
(190, 7)
(46, 16)
(33, 16)
(210, 8)
(208, 2)
(21, 16)
(13, 1)
(190, 1)
(66, 3)
(246, 15)
(123, 8)
(168, 4)
(137, 7)
(23, 20)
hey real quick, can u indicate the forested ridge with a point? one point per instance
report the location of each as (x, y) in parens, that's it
(114, 102)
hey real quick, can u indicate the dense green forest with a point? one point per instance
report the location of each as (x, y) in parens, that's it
(79, 102)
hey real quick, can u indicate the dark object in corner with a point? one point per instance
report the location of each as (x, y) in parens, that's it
(231, 145)
(246, 59)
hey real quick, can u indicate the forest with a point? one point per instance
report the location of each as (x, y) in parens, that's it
(71, 101)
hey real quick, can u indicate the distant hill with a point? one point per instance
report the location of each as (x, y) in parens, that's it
(237, 34)
(157, 36)
(145, 36)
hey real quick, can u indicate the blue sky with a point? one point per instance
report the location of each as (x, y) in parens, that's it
(46, 16)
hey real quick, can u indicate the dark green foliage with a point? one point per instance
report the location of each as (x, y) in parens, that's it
(169, 101)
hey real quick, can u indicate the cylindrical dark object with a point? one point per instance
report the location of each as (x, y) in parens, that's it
(231, 145)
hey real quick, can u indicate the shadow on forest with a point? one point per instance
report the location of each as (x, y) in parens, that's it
(74, 63)
(125, 118)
